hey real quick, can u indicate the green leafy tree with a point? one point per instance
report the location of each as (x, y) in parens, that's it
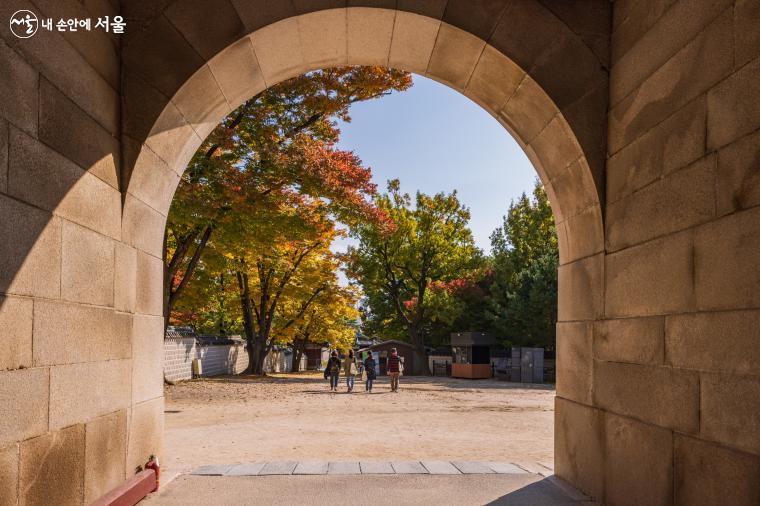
(465, 309)
(522, 301)
(419, 244)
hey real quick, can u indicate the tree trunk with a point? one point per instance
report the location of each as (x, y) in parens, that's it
(299, 348)
(421, 362)
(251, 336)
(296, 365)
(251, 357)
(256, 355)
(417, 339)
(261, 353)
(222, 324)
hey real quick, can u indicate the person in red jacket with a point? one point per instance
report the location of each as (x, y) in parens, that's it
(394, 369)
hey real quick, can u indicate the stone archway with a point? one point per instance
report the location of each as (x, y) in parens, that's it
(409, 41)
(95, 134)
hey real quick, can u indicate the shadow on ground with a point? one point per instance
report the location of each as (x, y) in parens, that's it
(549, 491)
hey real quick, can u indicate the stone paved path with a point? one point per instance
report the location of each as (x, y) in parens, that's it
(435, 467)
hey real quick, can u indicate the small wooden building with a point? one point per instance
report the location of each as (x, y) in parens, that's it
(471, 355)
(405, 353)
(314, 356)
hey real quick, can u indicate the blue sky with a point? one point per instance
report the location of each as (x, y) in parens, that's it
(435, 139)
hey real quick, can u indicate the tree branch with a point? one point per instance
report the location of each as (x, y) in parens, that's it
(242, 111)
(183, 244)
(286, 278)
(305, 306)
(175, 292)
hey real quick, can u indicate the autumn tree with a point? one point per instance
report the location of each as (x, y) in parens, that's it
(264, 287)
(277, 143)
(522, 301)
(331, 320)
(422, 243)
(210, 303)
(284, 262)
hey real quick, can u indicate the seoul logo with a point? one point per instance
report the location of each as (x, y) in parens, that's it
(24, 24)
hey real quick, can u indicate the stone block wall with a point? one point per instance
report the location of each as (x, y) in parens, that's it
(646, 139)
(227, 359)
(178, 358)
(179, 354)
(81, 400)
(663, 388)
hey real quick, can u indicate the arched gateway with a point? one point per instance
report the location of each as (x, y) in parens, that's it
(651, 168)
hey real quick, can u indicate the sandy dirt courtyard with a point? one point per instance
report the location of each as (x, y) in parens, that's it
(227, 420)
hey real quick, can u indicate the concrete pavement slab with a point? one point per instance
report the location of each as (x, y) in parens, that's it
(473, 467)
(373, 467)
(534, 468)
(273, 468)
(440, 467)
(506, 468)
(311, 468)
(249, 469)
(343, 468)
(409, 467)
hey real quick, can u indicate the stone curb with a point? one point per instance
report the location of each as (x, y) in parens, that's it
(355, 467)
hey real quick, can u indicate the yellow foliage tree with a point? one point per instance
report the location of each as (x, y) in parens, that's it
(331, 320)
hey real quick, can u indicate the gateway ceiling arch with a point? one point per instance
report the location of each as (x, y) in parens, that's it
(625, 114)
(365, 36)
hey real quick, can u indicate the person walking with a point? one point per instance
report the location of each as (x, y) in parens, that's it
(369, 368)
(394, 369)
(333, 370)
(360, 364)
(350, 370)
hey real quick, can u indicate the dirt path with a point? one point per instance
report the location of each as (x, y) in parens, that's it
(245, 419)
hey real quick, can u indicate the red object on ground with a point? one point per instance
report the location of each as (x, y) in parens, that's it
(131, 491)
(153, 464)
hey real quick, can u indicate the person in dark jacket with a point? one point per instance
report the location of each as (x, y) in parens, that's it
(369, 367)
(394, 369)
(333, 370)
